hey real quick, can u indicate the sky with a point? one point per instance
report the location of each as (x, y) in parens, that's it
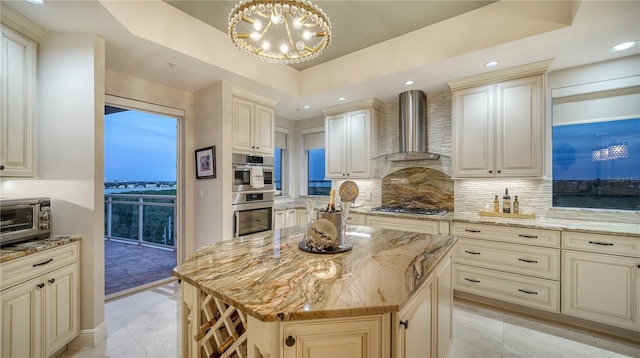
(139, 146)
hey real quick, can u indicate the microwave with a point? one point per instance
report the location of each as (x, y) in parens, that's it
(24, 219)
(242, 165)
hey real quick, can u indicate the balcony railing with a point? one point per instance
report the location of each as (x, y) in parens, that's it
(144, 219)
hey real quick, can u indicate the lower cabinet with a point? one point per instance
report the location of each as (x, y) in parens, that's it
(424, 324)
(347, 337)
(285, 218)
(41, 314)
(404, 224)
(599, 286)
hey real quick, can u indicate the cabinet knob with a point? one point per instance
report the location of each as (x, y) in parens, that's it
(638, 266)
(52, 280)
(40, 285)
(499, 171)
(490, 171)
(290, 341)
(1, 167)
(405, 323)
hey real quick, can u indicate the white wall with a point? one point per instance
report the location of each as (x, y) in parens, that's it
(212, 206)
(70, 107)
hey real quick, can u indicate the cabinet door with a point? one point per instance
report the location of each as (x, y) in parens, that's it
(291, 218)
(520, 127)
(21, 315)
(61, 307)
(278, 219)
(602, 288)
(473, 132)
(335, 147)
(349, 337)
(263, 130)
(415, 332)
(444, 318)
(358, 153)
(242, 116)
(17, 81)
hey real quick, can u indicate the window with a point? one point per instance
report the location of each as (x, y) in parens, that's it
(279, 159)
(314, 148)
(596, 156)
(277, 168)
(315, 171)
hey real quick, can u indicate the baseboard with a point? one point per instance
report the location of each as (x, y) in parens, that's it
(90, 337)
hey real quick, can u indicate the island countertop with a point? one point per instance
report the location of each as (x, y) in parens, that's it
(269, 278)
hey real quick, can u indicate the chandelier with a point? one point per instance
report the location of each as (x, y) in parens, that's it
(280, 31)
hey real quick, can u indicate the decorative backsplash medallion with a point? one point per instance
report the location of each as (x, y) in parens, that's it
(423, 188)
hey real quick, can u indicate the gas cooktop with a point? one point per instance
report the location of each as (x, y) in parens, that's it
(409, 210)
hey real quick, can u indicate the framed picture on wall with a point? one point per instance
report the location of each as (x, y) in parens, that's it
(206, 163)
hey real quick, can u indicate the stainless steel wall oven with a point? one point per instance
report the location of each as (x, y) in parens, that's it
(252, 204)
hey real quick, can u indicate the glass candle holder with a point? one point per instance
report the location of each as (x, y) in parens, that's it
(344, 207)
(311, 210)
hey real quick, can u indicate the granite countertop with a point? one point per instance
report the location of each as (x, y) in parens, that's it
(22, 249)
(269, 278)
(550, 223)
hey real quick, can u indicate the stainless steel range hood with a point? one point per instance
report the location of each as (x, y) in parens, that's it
(412, 129)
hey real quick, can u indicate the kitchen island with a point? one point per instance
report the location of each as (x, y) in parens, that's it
(260, 296)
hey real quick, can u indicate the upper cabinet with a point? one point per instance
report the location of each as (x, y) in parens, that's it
(17, 96)
(351, 133)
(253, 123)
(499, 123)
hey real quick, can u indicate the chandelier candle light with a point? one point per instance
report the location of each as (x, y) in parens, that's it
(284, 31)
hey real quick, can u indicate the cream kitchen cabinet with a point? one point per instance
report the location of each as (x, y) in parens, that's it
(345, 337)
(253, 124)
(433, 227)
(285, 218)
(516, 265)
(425, 321)
(351, 134)
(17, 97)
(40, 312)
(601, 278)
(498, 126)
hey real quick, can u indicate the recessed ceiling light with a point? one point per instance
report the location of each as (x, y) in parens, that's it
(491, 63)
(409, 82)
(341, 98)
(623, 46)
(36, 2)
(306, 106)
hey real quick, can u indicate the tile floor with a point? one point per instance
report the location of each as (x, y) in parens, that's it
(144, 325)
(130, 265)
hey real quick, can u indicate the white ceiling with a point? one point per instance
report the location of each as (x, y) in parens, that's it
(431, 42)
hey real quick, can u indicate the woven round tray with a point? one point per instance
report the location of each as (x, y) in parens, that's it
(348, 191)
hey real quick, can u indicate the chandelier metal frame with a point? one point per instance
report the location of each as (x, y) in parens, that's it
(304, 29)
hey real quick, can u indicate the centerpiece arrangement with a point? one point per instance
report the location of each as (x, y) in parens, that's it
(327, 235)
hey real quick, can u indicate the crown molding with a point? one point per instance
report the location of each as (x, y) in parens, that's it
(530, 69)
(16, 21)
(354, 106)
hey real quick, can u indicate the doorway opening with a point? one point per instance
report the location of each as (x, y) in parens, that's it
(140, 198)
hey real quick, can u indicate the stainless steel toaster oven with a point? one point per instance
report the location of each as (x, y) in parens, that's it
(24, 219)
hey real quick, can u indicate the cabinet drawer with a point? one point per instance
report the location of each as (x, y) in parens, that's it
(526, 260)
(526, 291)
(517, 235)
(414, 225)
(605, 244)
(356, 219)
(26, 268)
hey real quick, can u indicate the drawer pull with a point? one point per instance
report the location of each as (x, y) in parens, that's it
(528, 292)
(528, 236)
(472, 252)
(40, 285)
(51, 281)
(528, 261)
(601, 243)
(290, 341)
(405, 323)
(471, 280)
(470, 230)
(43, 263)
